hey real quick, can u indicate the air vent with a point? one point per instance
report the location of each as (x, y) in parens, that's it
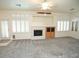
(44, 13)
(18, 5)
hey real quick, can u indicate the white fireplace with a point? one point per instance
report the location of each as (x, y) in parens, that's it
(38, 32)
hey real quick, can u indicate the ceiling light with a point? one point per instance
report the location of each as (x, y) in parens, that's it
(46, 5)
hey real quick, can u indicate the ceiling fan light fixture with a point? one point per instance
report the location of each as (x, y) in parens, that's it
(45, 6)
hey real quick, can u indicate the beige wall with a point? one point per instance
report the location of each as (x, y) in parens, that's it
(36, 20)
(42, 21)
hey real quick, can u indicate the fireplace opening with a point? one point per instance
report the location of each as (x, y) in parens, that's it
(37, 32)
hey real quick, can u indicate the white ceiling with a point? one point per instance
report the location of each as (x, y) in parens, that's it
(58, 5)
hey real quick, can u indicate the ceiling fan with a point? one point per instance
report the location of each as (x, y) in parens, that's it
(46, 5)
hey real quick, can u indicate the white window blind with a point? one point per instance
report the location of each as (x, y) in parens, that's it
(78, 25)
(62, 25)
(75, 25)
(67, 25)
(26, 26)
(14, 26)
(20, 24)
(4, 28)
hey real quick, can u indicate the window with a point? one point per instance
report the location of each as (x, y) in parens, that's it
(4, 28)
(78, 25)
(20, 24)
(75, 25)
(62, 25)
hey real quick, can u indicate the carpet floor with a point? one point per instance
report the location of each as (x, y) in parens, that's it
(53, 48)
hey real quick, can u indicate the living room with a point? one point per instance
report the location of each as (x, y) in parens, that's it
(26, 23)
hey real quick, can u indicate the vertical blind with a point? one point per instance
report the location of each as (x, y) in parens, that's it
(4, 28)
(75, 25)
(62, 25)
(20, 24)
